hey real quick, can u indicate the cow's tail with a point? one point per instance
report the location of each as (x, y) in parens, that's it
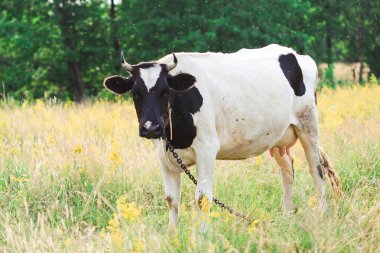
(333, 177)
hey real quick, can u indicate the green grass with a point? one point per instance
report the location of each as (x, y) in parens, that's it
(55, 200)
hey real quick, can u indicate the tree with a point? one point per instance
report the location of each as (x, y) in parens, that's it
(65, 48)
(65, 10)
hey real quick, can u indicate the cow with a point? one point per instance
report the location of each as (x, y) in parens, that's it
(227, 106)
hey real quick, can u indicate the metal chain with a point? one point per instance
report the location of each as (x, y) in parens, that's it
(192, 178)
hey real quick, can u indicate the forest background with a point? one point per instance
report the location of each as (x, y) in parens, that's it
(65, 48)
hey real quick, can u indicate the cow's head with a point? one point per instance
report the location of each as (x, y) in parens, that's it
(151, 85)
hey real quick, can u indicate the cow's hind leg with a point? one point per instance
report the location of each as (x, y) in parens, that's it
(285, 163)
(307, 132)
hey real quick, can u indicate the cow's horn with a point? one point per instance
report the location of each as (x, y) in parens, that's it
(172, 65)
(125, 64)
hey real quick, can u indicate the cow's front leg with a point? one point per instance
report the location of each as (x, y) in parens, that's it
(205, 171)
(172, 185)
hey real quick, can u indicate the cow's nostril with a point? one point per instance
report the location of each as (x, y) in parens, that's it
(157, 130)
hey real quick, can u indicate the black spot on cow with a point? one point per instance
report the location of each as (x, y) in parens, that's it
(181, 81)
(183, 104)
(293, 73)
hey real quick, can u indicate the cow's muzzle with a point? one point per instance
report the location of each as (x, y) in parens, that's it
(151, 131)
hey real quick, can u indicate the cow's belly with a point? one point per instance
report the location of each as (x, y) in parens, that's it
(243, 148)
(241, 152)
(244, 140)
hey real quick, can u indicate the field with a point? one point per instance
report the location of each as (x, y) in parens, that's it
(79, 179)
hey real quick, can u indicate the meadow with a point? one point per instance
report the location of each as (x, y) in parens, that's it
(77, 178)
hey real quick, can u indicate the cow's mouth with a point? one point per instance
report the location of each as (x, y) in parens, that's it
(151, 133)
(151, 130)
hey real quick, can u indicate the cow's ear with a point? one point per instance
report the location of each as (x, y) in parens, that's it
(181, 81)
(118, 84)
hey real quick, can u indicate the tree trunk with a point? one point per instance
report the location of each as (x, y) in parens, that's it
(114, 34)
(78, 86)
(329, 35)
(67, 29)
(361, 42)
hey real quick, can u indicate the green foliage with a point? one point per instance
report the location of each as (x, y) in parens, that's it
(36, 58)
(328, 79)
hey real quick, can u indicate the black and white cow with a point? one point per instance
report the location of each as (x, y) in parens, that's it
(228, 107)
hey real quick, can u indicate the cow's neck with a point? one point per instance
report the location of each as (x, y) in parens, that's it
(183, 105)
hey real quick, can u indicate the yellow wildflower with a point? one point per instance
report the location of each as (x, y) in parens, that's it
(215, 214)
(121, 200)
(13, 151)
(117, 240)
(19, 179)
(102, 233)
(253, 226)
(77, 149)
(259, 160)
(205, 205)
(312, 200)
(137, 245)
(115, 158)
(113, 224)
(115, 231)
(129, 211)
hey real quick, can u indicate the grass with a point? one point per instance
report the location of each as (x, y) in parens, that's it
(78, 179)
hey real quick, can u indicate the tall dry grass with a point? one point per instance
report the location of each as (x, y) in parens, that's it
(78, 179)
